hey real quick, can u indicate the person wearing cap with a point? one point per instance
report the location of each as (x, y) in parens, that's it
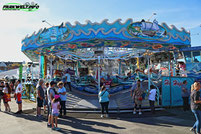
(62, 94)
(50, 95)
(55, 112)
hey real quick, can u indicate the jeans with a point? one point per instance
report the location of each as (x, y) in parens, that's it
(185, 103)
(104, 106)
(197, 114)
(151, 103)
(69, 85)
(63, 107)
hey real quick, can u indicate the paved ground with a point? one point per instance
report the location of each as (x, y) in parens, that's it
(170, 121)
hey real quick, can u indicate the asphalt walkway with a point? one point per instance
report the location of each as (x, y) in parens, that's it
(169, 121)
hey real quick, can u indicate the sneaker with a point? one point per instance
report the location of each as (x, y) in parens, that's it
(48, 125)
(57, 129)
(134, 112)
(18, 112)
(140, 113)
(192, 129)
(107, 115)
(102, 115)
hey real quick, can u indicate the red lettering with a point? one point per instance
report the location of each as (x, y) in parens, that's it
(176, 83)
(167, 82)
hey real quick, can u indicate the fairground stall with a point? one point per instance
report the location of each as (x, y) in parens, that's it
(114, 54)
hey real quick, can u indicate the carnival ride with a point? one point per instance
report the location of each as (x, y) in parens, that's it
(112, 53)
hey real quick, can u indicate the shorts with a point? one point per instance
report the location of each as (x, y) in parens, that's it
(5, 98)
(45, 102)
(56, 114)
(39, 102)
(19, 102)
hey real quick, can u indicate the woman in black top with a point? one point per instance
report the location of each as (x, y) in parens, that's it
(196, 107)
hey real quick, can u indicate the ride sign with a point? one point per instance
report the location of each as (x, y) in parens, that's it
(28, 7)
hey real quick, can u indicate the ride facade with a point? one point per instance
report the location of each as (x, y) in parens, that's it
(114, 54)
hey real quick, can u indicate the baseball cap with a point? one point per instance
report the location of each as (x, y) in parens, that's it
(56, 96)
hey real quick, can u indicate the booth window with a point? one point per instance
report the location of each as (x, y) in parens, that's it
(196, 56)
(188, 56)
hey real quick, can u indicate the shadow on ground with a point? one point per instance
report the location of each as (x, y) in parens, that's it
(166, 118)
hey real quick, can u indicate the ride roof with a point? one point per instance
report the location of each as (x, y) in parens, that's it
(80, 39)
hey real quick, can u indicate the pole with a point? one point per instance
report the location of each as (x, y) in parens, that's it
(51, 69)
(119, 67)
(32, 72)
(98, 73)
(149, 77)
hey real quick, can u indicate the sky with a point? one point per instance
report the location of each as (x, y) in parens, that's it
(15, 25)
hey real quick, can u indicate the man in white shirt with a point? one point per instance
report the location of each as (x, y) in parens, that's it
(67, 76)
(18, 96)
(152, 98)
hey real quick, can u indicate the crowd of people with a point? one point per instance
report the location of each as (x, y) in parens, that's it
(6, 89)
(52, 96)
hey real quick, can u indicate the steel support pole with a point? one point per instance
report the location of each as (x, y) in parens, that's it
(51, 70)
(149, 76)
(98, 73)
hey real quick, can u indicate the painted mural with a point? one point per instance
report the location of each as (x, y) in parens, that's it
(194, 70)
(53, 34)
(147, 30)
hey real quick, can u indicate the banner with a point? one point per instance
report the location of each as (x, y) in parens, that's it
(171, 90)
(41, 64)
(20, 72)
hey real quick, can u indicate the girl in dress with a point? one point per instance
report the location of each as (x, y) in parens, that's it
(55, 111)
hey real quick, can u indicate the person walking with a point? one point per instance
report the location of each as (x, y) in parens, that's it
(1, 92)
(62, 94)
(104, 101)
(40, 97)
(55, 112)
(6, 90)
(137, 97)
(185, 95)
(18, 96)
(51, 92)
(196, 107)
(152, 98)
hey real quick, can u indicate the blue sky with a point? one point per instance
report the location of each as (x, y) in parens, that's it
(16, 25)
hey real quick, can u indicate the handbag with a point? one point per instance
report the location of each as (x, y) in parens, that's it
(140, 98)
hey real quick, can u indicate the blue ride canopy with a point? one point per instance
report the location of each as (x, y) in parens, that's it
(142, 35)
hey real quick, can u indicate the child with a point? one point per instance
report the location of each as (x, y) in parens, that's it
(6, 97)
(55, 111)
(18, 96)
(152, 97)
